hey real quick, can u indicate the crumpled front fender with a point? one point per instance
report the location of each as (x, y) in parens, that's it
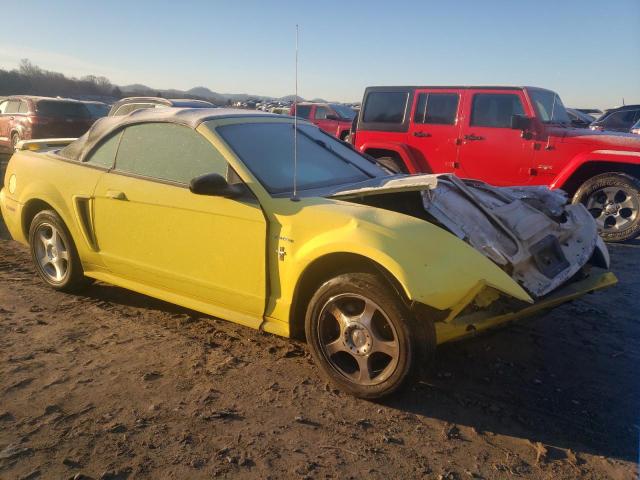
(433, 266)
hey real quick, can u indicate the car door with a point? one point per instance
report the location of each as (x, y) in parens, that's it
(320, 118)
(490, 149)
(435, 128)
(152, 230)
(7, 121)
(4, 122)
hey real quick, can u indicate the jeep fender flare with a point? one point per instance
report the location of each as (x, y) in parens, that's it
(399, 149)
(601, 156)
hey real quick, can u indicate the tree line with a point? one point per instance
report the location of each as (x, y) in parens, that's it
(29, 79)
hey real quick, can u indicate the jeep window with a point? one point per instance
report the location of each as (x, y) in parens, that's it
(321, 113)
(495, 109)
(385, 107)
(167, 152)
(303, 111)
(53, 108)
(436, 108)
(267, 151)
(549, 107)
(343, 111)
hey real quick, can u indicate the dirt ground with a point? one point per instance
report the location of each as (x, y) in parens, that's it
(114, 385)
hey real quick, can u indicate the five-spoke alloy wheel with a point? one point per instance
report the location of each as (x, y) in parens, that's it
(613, 199)
(54, 253)
(362, 335)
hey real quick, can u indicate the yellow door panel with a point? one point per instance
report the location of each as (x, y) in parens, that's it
(208, 248)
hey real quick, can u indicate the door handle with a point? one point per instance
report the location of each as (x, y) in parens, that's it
(421, 134)
(116, 195)
(473, 137)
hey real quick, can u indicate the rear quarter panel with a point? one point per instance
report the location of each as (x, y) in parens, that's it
(59, 183)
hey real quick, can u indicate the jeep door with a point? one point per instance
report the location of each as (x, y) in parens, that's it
(152, 230)
(435, 128)
(490, 149)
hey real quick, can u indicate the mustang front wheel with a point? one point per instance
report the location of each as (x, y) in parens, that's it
(360, 335)
(54, 254)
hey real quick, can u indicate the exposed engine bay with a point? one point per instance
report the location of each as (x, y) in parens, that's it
(532, 233)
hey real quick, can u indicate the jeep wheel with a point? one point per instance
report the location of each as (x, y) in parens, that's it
(392, 164)
(54, 253)
(613, 199)
(361, 335)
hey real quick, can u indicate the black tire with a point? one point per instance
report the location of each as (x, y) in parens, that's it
(391, 327)
(15, 138)
(614, 201)
(60, 273)
(394, 165)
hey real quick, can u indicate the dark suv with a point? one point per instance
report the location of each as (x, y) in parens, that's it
(29, 118)
(619, 119)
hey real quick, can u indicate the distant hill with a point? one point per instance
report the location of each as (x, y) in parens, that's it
(203, 93)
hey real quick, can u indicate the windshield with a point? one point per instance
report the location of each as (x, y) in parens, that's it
(54, 108)
(343, 111)
(267, 150)
(549, 107)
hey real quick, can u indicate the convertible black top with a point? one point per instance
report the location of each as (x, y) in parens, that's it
(189, 117)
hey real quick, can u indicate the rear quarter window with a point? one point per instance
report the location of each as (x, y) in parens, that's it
(385, 107)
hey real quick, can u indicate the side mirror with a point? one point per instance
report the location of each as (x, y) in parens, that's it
(520, 122)
(214, 184)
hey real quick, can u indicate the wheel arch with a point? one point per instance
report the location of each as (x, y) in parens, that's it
(590, 168)
(30, 210)
(400, 152)
(326, 267)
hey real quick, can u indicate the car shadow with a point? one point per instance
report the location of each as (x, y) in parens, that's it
(567, 379)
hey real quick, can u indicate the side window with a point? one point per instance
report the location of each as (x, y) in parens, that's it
(23, 108)
(619, 119)
(321, 113)
(436, 108)
(303, 111)
(3, 106)
(12, 106)
(385, 107)
(105, 154)
(168, 152)
(495, 109)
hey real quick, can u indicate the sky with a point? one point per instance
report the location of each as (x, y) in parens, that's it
(588, 51)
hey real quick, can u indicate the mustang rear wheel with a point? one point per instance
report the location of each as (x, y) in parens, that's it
(613, 199)
(361, 335)
(54, 253)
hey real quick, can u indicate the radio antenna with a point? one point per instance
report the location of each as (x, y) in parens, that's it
(295, 198)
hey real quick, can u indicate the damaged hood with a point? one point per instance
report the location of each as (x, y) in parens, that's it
(386, 184)
(532, 233)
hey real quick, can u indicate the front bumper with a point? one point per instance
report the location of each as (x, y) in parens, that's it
(598, 279)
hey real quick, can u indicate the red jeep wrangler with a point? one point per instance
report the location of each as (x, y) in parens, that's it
(505, 136)
(333, 118)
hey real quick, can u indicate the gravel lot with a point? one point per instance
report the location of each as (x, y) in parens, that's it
(113, 385)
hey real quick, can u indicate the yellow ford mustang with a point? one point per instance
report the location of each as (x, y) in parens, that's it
(197, 207)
